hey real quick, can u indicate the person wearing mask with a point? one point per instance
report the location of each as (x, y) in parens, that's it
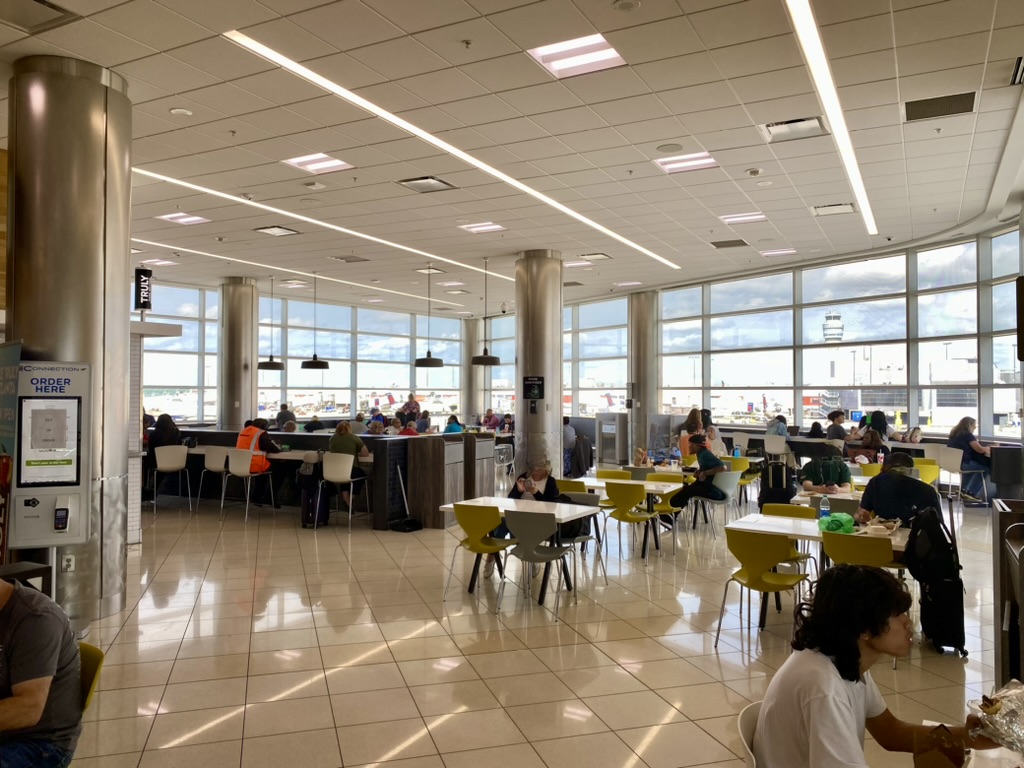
(422, 424)
(975, 456)
(40, 681)
(836, 430)
(313, 425)
(894, 494)
(715, 443)
(816, 432)
(358, 425)
(568, 446)
(777, 426)
(819, 703)
(826, 474)
(284, 416)
(453, 425)
(491, 420)
(708, 465)
(344, 442)
(692, 426)
(256, 440)
(409, 430)
(535, 483)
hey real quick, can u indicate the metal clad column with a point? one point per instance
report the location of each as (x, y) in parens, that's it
(539, 353)
(69, 163)
(473, 375)
(239, 321)
(643, 364)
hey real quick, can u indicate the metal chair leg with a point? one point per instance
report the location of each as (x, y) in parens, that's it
(721, 611)
(248, 485)
(451, 570)
(223, 490)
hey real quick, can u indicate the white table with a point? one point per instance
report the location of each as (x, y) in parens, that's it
(651, 487)
(563, 512)
(800, 529)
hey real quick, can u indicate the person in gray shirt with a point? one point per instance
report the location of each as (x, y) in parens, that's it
(40, 681)
(284, 416)
(836, 430)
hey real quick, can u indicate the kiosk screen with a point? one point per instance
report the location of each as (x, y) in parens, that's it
(50, 430)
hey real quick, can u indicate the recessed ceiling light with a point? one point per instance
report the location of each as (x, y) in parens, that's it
(628, 284)
(294, 283)
(779, 252)
(159, 263)
(318, 163)
(482, 227)
(743, 218)
(320, 81)
(180, 111)
(670, 148)
(577, 57)
(463, 313)
(451, 283)
(457, 292)
(276, 231)
(426, 184)
(837, 209)
(184, 218)
(430, 271)
(137, 250)
(374, 301)
(572, 264)
(314, 185)
(695, 161)
(765, 183)
(791, 130)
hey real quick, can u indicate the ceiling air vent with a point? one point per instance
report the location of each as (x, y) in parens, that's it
(791, 130)
(730, 243)
(572, 284)
(34, 16)
(347, 259)
(836, 209)
(941, 106)
(1017, 78)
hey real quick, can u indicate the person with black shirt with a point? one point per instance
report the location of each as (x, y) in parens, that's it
(975, 456)
(536, 483)
(894, 494)
(165, 432)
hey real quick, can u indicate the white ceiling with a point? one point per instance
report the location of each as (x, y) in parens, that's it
(700, 73)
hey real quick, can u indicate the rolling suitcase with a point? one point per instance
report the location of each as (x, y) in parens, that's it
(309, 497)
(942, 614)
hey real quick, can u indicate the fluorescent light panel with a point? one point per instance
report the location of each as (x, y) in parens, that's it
(310, 220)
(451, 283)
(159, 263)
(743, 218)
(456, 292)
(814, 54)
(318, 163)
(577, 57)
(482, 227)
(184, 218)
(628, 284)
(331, 87)
(696, 161)
(580, 263)
(779, 252)
(430, 271)
(276, 231)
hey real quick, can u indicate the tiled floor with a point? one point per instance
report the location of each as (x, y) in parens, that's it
(269, 645)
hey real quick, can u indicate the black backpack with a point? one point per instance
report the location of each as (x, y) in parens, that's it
(931, 554)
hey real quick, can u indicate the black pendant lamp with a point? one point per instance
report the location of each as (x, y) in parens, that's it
(271, 364)
(429, 361)
(486, 358)
(316, 364)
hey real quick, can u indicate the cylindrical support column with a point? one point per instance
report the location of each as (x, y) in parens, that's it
(70, 132)
(239, 323)
(473, 375)
(643, 364)
(539, 353)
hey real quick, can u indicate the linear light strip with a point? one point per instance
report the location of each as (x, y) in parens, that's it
(814, 52)
(318, 276)
(331, 87)
(309, 220)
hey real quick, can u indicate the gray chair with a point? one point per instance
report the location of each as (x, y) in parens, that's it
(532, 530)
(847, 506)
(171, 459)
(240, 466)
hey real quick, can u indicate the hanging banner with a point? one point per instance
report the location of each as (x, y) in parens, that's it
(143, 289)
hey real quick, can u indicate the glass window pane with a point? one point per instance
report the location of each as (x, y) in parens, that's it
(1004, 306)
(679, 402)
(867, 365)
(566, 318)
(383, 376)
(505, 350)
(503, 327)
(681, 371)
(209, 414)
(326, 315)
(448, 351)
(819, 402)
(503, 377)
(752, 293)
(210, 371)
(324, 403)
(762, 329)
(375, 398)
(270, 381)
(602, 373)
(1004, 360)
(1005, 407)
(440, 327)
(567, 402)
(1006, 254)
(328, 344)
(381, 321)
(941, 409)
(567, 346)
(212, 305)
(681, 336)
(273, 311)
(740, 369)
(948, 362)
(601, 401)
(947, 314)
(855, 321)
(174, 301)
(270, 340)
(951, 265)
(566, 374)
(181, 403)
(339, 375)
(750, 406)
(610, 342)
(874, 277)
(212, 337)
(169, 369)
(383, 348)
(430, 379)
(603, 313)
(187, 342)
(685, 302)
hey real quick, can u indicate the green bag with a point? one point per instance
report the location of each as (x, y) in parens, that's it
(837, 522)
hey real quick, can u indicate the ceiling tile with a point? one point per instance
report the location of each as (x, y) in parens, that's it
(467, 42)
(941, 20)
(864, 68)
(606, 85)
(507, 72)
(168, 73)
(345, 71)
(652, 130)
(279, 87)
(630, 110)
(89, 40)
(221, 58)
(221, 16)
(416, 16)
(151, 24)
(740, 23)
(679, 72)
(289, 39)
(481, 110)
(399, 58)
(536, 99)
(347, 24)
(660, 40)
(544, 23)
(699, 97)
(507, 131)
(757, 56)
(392, 97)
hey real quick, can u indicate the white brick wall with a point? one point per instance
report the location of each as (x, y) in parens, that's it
(135, 441)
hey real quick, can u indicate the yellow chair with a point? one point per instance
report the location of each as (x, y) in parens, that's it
(690, 460)
(91, 659)
(664, 506)
(846, 548)
(612, 474)
(870, 470)
(742, 464)
(927, 470)
(804, 513)
(570, 486)
(758, 554)
(477, 522)
(626, 499)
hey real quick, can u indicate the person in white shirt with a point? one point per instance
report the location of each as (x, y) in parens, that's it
(715, 443)
(823, 697)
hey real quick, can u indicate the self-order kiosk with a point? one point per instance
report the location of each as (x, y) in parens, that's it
(49, 475)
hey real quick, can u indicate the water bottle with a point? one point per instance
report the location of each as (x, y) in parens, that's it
(824, 509)
(736, 452)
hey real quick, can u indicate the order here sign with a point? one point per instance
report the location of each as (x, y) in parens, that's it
(47, 385)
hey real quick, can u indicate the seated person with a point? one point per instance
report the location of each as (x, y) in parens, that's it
(508, 426)
(826, 474)
(395, 427)
(777, 426)
(692, 426)
(536, 483)
(313, 425)
(422, 424)
(879, 422)
(453, 425)
(343, 441)
(872, 449)
(836, 430)
(708, 465)
(715, 443)
(375, 428)
(975, 457)
(491, 420)
(893, 493)
(816, 432)
(358, 424)
(823, 697)
(912, 435)
(256, 439)
(409, 430)
(40, 681)
(376, 415)
(290, 426)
